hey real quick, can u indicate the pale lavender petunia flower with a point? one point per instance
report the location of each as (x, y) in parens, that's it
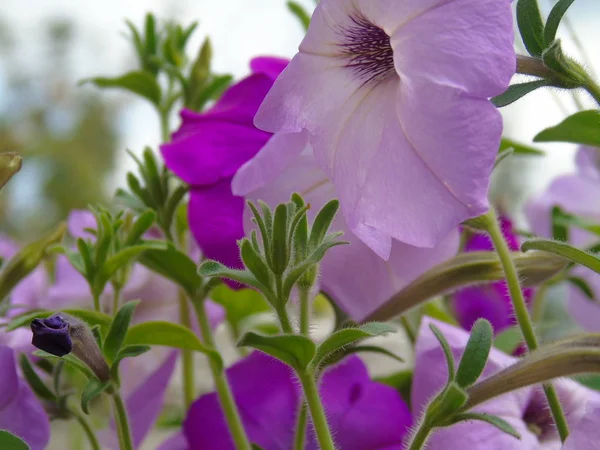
(585, 435)
(525, 409)
(394, 95)
(21, 412)
(489, 301)
(208, 149)
(362, 414)
(355, 276)
(576, 194)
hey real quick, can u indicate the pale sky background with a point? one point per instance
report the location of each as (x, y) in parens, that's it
(240, 30)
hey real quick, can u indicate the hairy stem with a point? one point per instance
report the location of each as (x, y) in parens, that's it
(522, 315)
(419, 439)
(187, 356)
(226, 400)
(317, 413)
(122, 422)
(87, 429)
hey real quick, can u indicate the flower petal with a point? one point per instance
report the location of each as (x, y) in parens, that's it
(78, 221)
(267, 398)
(21, 412)
(585, 435)
(176, 441)
(584, 310)
(463, 44)
(216, 220)
(269, 66)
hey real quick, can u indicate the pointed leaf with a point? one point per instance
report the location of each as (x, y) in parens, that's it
(580, 128)
(140, 226)
(554, 19)
(565, 250)
(496, 421)
(139, 82)
(298, 10)
(164, 333)
(516, 91)
(519, 149)
(295, 350)
(255, 263)
(118, 330)
(33, 379)
(347, 336)
(476, 353)
(531, 26)
(214, 269)
(70, 360)
(91, 391)
(446, 348)
(322, 222)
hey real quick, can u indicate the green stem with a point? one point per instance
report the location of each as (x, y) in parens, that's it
(122, 422)
(116, 299)
(232, 416)
(164, 125)
(304, 310)
(523, 319)
(300, 433)
(408, 328)
(87, 429)
(317, 412)
(282, 315)
(593, 89)
(187, 356)
(420, 437)
(97, 303)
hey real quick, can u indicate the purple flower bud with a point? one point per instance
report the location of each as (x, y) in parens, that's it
(52, 335)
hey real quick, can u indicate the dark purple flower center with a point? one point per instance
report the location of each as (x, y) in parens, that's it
(368, 49)
(539, 420)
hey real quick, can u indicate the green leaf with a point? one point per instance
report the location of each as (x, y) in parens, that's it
(91, 391)
(199, 72)
(33, 379)
(174, 265)
(139, 227)
(565, 250)
(560, 230)
(71, 361)
(476, 353)
(294, 350)
(447, 403)
(496, 421)
(554, 19)
(214, 269)
(518, 90)
(139, 82)
(297, 10)
(164, 333)
(27, 259)
(518, 148)
(88, 316)
(279, 257)
(508, 340)
(372, 349)
(347, 336)
(582, 285)
(239, 304)
(446, 348)
(255, 263)
(9, 441)
(531, 26)
(580, 128)
(129, 351)
(118, 330)
(438, 310)
(322, 223)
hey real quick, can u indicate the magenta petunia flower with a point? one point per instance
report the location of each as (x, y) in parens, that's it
(490, 301)
(362, 414)
(525, 409)
(354, 275)
(576, 194)
(394, 95)
(21, 412)
(208, 149)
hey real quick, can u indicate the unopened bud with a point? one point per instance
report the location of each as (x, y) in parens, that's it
(61, 334)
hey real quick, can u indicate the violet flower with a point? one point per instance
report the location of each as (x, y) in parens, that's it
(362, 414)
(575, 194)
(206, 152)
(52, 335)
(525, 409)
(490, 301)
(394, 95)
(21, 412)
(355, 276)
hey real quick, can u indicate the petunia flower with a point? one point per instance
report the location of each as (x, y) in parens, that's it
(362, 414)
(525, 409)
(355, 276)
(490, 301)
(208, 149)
(586, 434)
(21, 412)
(394, 95)
(575, 194)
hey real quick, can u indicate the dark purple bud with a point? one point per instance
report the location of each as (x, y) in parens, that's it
(52, 335)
